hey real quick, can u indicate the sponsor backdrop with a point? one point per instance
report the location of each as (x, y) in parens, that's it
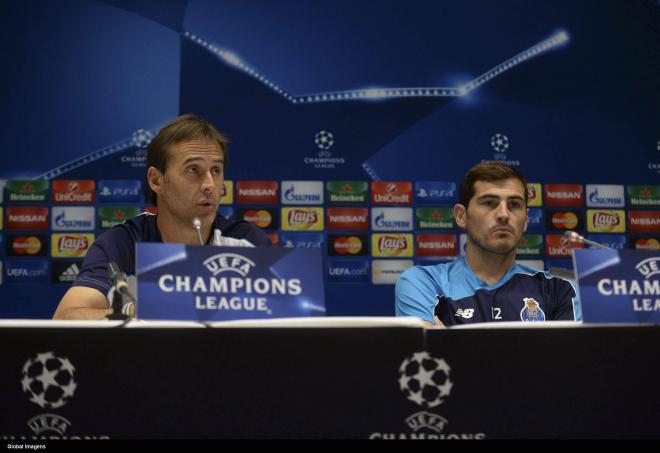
(350, 126)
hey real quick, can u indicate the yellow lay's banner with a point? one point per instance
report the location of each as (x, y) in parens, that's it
(392, 245)
(228, 195)
(70, 245)
(606, 221)
(302, 219)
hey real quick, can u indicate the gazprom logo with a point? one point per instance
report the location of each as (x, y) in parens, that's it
(229, 262)
(302, 192)
(602, 196)
(73, 219)
(391, 219)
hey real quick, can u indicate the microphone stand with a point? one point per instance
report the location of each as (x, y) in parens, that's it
(121, 290)
(117, 305)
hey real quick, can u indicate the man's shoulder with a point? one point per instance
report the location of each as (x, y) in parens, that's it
(437, 271)
(543, 277)
(240, 229)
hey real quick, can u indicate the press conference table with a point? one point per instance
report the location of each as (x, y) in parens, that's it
(378, 378)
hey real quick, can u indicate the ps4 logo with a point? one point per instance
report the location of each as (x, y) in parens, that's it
(435, 191)
(120, 190)
(302, 240)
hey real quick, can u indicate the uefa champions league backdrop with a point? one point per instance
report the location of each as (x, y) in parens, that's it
(351, 122)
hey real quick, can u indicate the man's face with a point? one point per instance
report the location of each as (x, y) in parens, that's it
(192, 183)
(496, 217)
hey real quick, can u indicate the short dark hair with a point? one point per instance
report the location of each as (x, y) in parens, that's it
(180, 129)
(487, 171)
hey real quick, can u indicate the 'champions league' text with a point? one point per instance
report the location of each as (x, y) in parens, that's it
(227, 287)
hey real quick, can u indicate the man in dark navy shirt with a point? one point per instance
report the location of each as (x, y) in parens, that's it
(486, 285)
(186, 163)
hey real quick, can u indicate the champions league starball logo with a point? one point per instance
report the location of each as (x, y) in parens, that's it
(499, 142)
(425, 380)
(48, 380)
(141, 138)
(324, 140)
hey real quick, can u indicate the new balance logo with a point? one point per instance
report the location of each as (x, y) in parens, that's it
(70, 273)
(465, 313)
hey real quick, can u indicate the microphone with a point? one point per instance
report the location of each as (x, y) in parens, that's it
(120, 310)
(118, 277)
(572, 236)
(197, 225)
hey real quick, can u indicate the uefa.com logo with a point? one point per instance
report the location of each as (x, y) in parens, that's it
(426, 381)
(49, 381)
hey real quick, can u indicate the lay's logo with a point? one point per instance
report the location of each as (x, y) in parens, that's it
(606, 221)
(70, 245)
(392, 245)
(308, 219)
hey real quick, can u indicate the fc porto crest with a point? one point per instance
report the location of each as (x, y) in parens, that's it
(531, 311)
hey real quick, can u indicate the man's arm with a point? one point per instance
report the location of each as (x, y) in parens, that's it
(567, 301)
(81, 302)
(414, 295)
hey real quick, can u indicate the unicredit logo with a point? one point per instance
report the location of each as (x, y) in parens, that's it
(300, 217)
(392, 198)
(73, 197)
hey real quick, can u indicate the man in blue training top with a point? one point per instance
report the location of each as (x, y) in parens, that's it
(487, 284)
(186, 163)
